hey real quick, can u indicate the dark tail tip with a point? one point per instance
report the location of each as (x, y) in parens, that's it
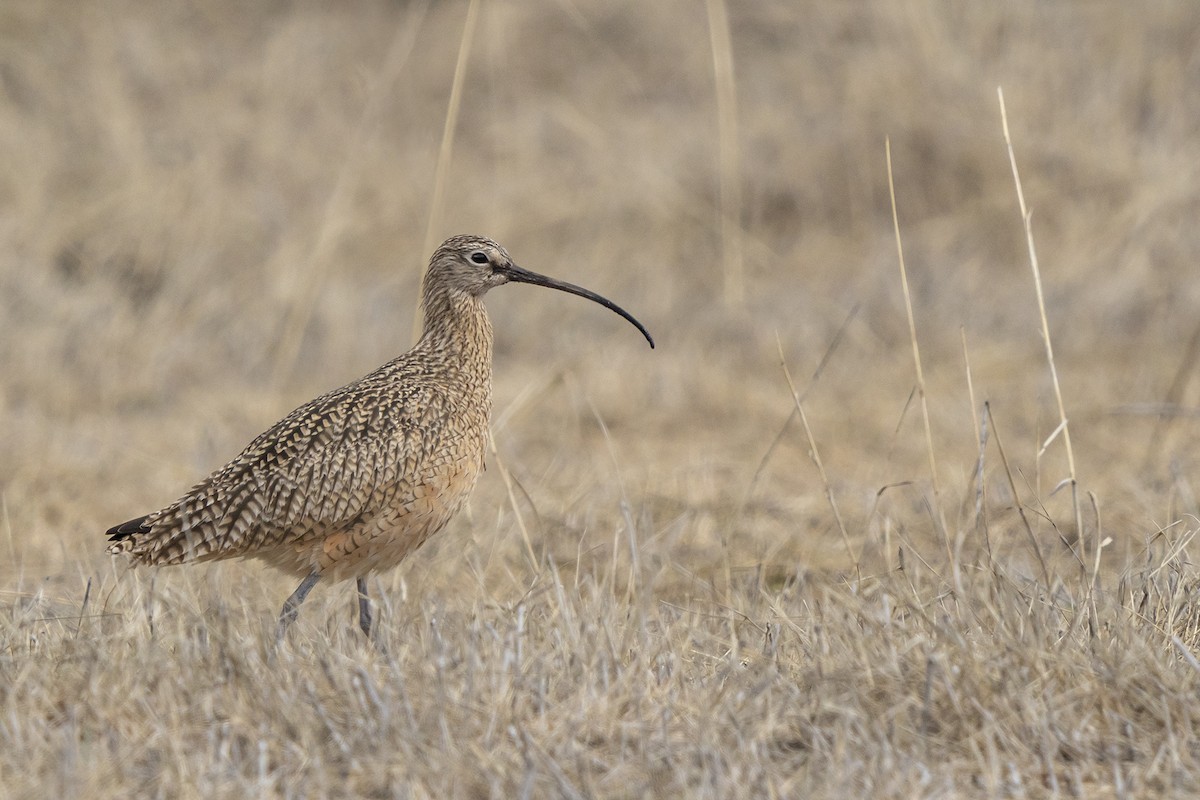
(127, 529)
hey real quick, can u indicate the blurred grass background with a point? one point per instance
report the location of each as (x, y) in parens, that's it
(191, 188)
(211, 212)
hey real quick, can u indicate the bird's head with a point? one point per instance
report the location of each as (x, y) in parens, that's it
(474, 264)
(471, 264)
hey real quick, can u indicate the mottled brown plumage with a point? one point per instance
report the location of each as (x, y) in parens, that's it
(357, 479)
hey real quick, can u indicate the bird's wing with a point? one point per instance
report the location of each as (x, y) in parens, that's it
(328, 464)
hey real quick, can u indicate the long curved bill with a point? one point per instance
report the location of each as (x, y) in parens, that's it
(518, 275)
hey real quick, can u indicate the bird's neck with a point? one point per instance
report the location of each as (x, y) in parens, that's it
(457, 325)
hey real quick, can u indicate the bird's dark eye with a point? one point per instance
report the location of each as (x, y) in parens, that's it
(479, 257)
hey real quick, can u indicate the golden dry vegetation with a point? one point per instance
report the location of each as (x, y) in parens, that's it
(212, 212)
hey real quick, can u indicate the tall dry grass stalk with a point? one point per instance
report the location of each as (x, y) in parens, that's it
(815, 455)
(939, 510)
(729, 160)
(437, 203)
(1063, 426)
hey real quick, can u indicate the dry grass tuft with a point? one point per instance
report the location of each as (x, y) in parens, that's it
(689, 572)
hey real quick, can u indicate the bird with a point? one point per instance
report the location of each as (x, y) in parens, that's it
(353, 482)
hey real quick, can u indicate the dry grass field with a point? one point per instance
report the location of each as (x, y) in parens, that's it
(666, 584)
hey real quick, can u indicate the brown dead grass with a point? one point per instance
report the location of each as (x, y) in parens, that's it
(211, 214)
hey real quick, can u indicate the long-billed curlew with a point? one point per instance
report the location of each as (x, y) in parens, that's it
(355, 480)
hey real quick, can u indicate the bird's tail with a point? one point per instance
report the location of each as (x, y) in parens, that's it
(122, 537)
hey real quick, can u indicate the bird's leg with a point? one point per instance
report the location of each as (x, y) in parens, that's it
(292, 605)
(364, 608)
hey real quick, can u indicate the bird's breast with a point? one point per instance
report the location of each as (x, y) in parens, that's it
(418, 505)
